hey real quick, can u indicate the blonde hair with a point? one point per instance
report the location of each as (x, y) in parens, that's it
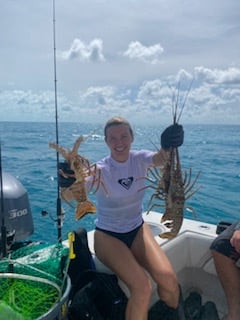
(115, 121)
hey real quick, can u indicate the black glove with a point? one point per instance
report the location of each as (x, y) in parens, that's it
(172, 136)
(65, 175)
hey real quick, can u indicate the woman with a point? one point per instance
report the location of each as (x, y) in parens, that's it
(122, 240)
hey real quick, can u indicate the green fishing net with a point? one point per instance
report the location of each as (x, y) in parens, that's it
(32, 282)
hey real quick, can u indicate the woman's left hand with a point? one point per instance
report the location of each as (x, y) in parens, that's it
(172, 136)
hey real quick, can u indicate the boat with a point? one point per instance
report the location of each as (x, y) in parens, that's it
(36, 268)
(190, 257)
(32, 266)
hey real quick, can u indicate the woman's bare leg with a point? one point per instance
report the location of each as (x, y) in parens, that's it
(151, 256)
(118, 257)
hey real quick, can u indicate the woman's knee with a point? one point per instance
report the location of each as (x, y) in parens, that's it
(147, 286)
(139, 299)
(167, 279)
(142, 286)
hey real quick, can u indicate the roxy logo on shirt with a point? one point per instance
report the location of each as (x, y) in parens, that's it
(126, 182)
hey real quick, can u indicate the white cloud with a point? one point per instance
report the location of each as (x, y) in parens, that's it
(150, 102)
(105, 100)
(224, 76)
(85, 52)
(98, 95)
(151, 54)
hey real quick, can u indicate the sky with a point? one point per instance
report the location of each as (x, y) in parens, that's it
(141, 59)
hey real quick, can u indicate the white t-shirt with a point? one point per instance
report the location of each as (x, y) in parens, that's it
(120, 209)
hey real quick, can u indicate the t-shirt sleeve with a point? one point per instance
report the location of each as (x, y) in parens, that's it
(146, 156)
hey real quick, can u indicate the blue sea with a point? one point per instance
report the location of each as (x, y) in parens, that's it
(212, 150)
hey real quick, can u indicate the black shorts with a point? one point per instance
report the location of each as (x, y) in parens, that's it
(222, 243)
(127, 237)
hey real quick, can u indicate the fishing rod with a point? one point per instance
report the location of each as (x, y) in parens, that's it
(3, 227)
(59, 207)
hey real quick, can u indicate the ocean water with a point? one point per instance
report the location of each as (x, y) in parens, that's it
(212, 150)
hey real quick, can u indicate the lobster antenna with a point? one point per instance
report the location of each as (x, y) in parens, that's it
(173, 106)
(173, 103)
(175, 99)
(3, 227)
(185, 99)
(59, 207)
(176, 103)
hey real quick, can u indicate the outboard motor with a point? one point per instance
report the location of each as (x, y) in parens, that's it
(17, 214)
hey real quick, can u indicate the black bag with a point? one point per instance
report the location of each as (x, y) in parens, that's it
(94, 295)
(83, 306)
(81, 269)
(101, 299)
(111, 301)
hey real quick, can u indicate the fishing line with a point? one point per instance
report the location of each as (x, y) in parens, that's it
(3, 227)
(59, 207)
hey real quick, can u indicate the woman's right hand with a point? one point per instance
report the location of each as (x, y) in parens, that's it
(65, 175)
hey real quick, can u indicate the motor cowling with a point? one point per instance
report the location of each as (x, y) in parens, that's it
(16, 215)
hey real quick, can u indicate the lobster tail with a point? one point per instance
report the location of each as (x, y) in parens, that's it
(84, 208)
